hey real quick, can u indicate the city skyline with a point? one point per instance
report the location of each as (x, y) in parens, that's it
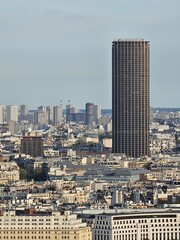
(56, 50)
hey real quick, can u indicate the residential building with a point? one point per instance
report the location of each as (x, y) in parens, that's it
(9, 172)
(89, 113)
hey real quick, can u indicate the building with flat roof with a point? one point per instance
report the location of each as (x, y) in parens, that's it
(52, 225)
(156, 224)
(32, 146)
(12, 113)
(130, 97)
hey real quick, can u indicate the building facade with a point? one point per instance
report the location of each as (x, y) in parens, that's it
(32, 146)
(12, 113)
(138, 225)
(130, 97)
(89, 113)
(2, 114)
(42, 225)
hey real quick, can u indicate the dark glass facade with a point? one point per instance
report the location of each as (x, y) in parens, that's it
(130, 97)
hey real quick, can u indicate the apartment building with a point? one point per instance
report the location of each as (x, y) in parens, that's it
(138, 225)
(9, 172)
(30, 225)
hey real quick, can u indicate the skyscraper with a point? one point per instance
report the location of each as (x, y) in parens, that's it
(12, 113)
(1, 114)
(130, 97)
(23, 110)
(57, 114)
(89, 113)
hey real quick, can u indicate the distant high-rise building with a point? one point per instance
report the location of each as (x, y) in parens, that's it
(89, 113)
(130, 97)
(41, 116)
(57, 117)
(50, 113)
(70, 111)
(97, 112)
(12, 113)
(2, 114)
(23, 110)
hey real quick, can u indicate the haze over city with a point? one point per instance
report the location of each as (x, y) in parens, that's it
(52, 50)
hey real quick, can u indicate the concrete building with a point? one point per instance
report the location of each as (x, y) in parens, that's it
(152, 224)
(23, 110)
(13, 127)
(57, 115)
(9, 172)
(70, 111)
(89, 113)
(31, 224)
(50, 113)
(2, 115)
(97, 113)
(12, 113)
(41, 116)
(130, 97)
(32, 146)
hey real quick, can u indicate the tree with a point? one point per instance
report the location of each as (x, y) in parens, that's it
(39, 174)
(23, 174)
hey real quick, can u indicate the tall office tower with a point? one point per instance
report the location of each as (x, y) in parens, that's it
(130, 97)
(70, 112)
(57, 117)
(12, 113)
(97, 113)
(41, 116)
(89, 113)
(1, 114)
(23, 110)
(50, 113)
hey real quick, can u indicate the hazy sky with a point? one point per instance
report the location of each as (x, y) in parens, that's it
(61, 49)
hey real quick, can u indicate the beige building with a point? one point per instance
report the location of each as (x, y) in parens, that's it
(31, 225)
(78, 197)
(9, 172)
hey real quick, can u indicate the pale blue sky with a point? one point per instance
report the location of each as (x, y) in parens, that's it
(61, 49)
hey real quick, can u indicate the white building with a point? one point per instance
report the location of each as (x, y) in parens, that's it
(12, 113)
(154, 224)
(1, 114)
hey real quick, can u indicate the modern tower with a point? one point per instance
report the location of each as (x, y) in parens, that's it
(12, 113)
(2, 114)
(130, 97)
(89, 113)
